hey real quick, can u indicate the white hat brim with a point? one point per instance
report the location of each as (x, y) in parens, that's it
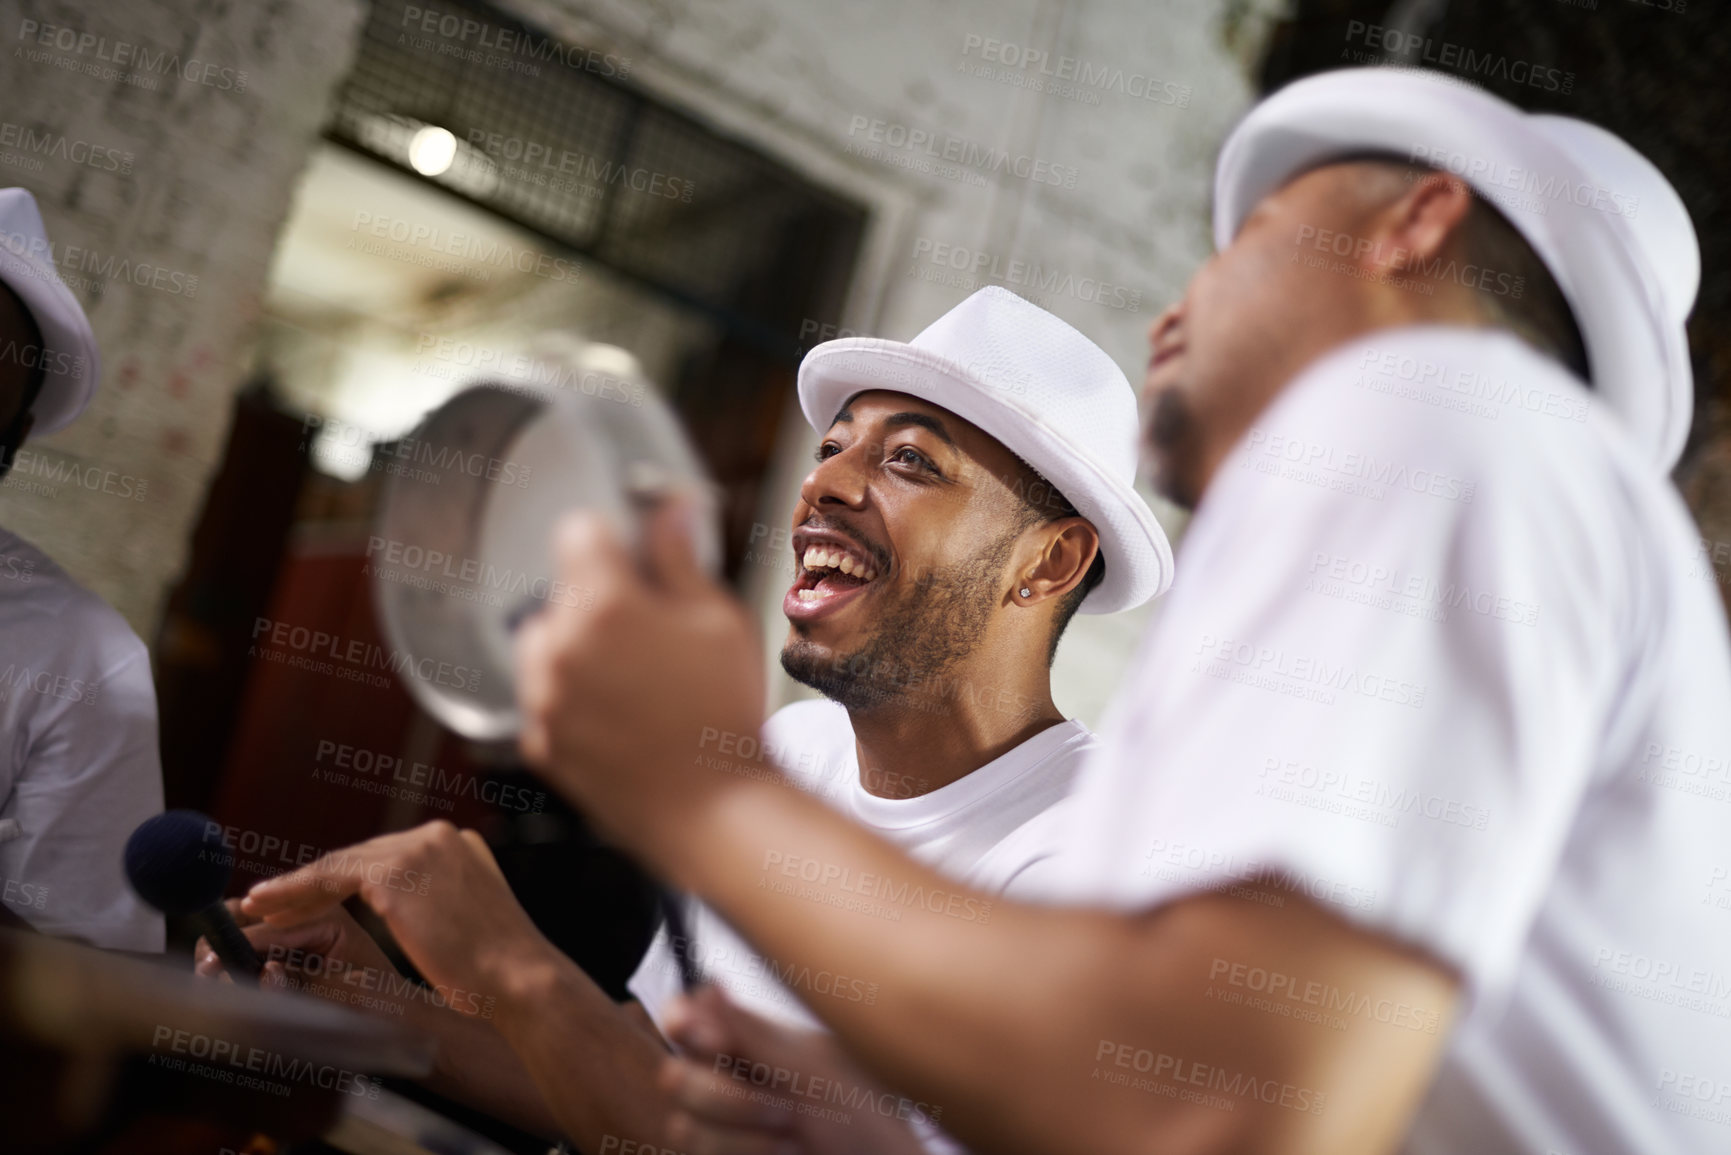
(1138, 556)
(1593, 255)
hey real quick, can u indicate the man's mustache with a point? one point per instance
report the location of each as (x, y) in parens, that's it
(878, 555)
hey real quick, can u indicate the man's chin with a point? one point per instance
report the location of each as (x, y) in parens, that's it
(806, 661)
(837, 677)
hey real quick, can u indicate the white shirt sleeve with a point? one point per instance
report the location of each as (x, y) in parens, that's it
(90, 772)
(1370, 694)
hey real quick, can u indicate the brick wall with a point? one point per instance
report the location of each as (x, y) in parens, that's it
(162, 141)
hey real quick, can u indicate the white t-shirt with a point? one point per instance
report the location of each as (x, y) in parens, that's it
(994, 830)
(79, 765)
(1443, 655)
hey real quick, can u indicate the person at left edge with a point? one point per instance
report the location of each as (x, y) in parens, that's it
(79, 764)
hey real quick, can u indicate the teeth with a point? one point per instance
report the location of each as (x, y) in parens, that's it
(808, 595)
(816, 558)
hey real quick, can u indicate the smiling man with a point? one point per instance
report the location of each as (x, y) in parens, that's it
(972, 492)
(937, 565)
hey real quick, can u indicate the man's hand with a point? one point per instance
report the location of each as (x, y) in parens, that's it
(617, 698)
(738, 1069)
(330, 956)
(443, 898)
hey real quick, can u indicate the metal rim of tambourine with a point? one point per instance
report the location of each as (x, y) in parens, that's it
(462, 542)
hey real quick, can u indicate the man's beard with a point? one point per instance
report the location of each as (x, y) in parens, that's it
(915, 644)
(1175, 439)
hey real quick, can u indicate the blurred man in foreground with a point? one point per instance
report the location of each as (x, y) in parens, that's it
(79, 766)
(1405, 812)
(972, 492)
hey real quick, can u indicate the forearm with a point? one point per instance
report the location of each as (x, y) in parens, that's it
(1046, 1029)
(590, 1062)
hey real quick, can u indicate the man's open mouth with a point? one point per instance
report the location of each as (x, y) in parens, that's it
(826, 569)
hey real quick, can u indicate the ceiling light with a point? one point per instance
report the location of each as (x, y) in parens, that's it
(432, 150)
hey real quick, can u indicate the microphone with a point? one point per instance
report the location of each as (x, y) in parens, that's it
(177, 863)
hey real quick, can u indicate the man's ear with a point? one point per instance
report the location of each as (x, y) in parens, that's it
(1068, 547)
(1417, 226)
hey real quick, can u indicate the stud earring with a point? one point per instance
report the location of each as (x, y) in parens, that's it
(1026, 592)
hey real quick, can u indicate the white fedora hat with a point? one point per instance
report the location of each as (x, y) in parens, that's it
(1606, 223)
(1043, 391)
(71, 364)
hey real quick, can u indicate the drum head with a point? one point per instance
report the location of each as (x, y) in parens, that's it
(463, 542)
